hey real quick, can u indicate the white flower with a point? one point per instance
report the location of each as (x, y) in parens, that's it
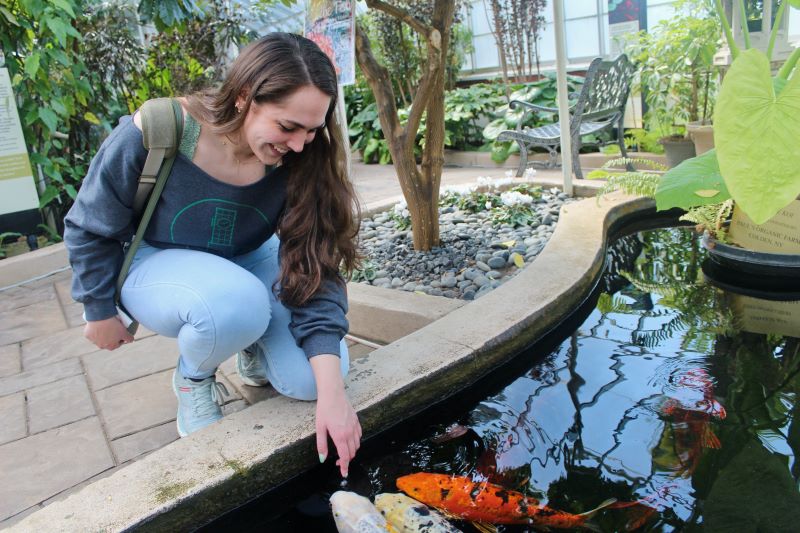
(510, 198)
(530, 172)
(458, 189)
(400, 208)
(488, 205)
(509, 173)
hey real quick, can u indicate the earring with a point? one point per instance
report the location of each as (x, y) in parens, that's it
(238, 108)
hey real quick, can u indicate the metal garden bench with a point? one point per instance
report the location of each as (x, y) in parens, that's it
(599, 109)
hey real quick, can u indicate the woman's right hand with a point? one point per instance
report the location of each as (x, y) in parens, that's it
(108, 334)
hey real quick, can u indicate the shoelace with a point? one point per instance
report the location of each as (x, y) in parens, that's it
(218, 390)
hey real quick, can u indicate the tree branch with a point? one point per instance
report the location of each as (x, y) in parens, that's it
(379, 82)
(430, 34)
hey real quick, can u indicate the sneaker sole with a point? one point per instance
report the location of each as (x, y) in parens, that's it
(181, 432)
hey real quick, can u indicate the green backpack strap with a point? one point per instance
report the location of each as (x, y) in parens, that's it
(161, 138)
(162, 128)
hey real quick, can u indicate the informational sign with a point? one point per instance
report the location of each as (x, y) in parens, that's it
(780, 234)
(331, 24)
(765, 316)
(625, 17)
(19, 203)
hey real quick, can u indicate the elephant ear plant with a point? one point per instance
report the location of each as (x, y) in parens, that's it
(756, 129)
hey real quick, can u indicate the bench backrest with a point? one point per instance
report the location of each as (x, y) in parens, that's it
(605, 90)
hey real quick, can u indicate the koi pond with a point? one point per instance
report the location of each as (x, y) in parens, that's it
(672, 396)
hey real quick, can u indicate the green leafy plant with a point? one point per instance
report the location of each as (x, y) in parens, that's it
(365, 272)
(674, 67)
(650, 182)
(7, 236)
(756, 126)
(639, 182)
(514, 215)
(471, 202)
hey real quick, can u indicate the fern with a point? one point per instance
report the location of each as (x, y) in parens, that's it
(710, 218)
(636, 182)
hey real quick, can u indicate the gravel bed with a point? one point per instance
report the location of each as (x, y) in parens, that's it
(473, 258)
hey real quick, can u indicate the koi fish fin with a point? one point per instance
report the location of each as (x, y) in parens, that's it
(708, 439)
(484, 528)
(589, 514)
(609, 502)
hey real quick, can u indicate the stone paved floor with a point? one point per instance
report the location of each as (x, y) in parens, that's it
(71, 414)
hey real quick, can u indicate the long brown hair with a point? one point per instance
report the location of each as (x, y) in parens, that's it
(319, 226)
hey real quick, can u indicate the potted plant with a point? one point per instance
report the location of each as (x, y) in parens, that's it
(675, 65)
(755, 165)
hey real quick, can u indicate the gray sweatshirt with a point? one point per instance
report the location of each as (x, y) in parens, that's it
(195, 211)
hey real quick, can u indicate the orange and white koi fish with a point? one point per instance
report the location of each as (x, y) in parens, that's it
(488, 503)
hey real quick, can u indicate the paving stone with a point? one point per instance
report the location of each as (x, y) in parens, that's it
(360, 350)
(73, 311)
(75, 488)
(10, 361)
(59, 403)
(140, 358)
(7, 523)
(137, 405)
(24, 295)
(40, 376)
(38, 467)
(30, 321)
(12, 417)
(46, 349)
(133, 446)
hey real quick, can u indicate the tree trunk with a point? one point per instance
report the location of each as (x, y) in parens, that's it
(420, 189)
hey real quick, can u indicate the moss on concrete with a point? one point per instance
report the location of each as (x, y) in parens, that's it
(171, 491)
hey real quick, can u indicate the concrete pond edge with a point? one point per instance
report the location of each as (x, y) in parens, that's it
(190, 481)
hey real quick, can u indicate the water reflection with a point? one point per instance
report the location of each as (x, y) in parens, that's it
(659, 399)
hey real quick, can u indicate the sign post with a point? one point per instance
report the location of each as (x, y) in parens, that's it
(332, 25)
(19, 203)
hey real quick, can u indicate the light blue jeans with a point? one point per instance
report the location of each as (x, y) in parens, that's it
(217, 307)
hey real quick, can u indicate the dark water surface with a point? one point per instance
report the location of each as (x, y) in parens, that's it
(675, 397)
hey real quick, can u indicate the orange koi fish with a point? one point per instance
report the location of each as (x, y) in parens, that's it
(488, 503)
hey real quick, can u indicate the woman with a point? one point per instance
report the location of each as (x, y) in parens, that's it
(260, 158)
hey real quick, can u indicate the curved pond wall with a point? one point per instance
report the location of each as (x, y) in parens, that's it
(195, 479)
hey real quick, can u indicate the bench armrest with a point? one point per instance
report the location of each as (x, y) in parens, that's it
(533, 108)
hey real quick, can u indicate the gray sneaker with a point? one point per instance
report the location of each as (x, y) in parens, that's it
(251, 369)
(198, 402)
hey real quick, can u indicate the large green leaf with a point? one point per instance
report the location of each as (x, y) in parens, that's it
(756, 134)
(696, 181)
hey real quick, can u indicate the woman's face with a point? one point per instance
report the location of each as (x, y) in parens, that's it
(273, 129)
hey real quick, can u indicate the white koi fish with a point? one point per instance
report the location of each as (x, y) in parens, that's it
(407, 515)
(356, 514)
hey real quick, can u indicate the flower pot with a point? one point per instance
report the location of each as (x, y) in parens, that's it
(677, 150)
(702, 133)
(764, 257)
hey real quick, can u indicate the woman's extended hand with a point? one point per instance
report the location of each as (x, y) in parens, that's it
(108, 334)
(335, 416)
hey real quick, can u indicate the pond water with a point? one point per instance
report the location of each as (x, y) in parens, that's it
(674, 397)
